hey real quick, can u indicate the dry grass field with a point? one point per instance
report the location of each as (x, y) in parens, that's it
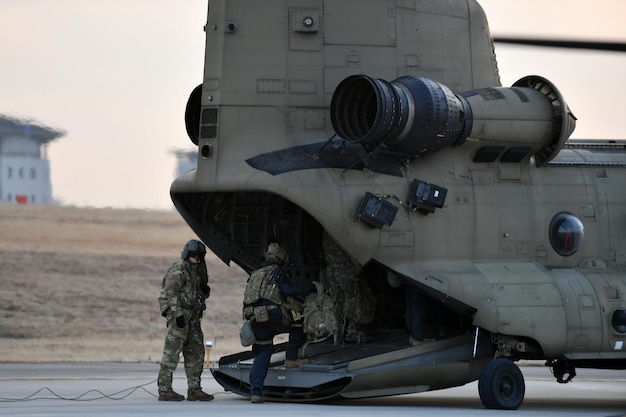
(81, 284)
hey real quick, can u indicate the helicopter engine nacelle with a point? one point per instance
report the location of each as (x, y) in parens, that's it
(413, 115)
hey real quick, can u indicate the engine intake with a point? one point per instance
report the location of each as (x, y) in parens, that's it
(412, 115)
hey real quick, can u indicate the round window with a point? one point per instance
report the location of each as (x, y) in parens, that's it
(619, 321)
(566, 233)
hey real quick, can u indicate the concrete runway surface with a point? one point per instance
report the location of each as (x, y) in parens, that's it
(120, 389)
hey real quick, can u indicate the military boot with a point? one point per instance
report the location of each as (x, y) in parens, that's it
(198, 395)
(414, 342)
(294, 363)
(170, 396)
(257, 399)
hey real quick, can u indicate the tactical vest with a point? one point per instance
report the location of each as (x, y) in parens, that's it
(185, 294)
(263, 284)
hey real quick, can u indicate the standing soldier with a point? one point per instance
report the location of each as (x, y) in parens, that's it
(354, 301)
(267, 303)
(182, 298)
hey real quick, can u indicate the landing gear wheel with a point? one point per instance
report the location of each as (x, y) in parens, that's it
(501, 385)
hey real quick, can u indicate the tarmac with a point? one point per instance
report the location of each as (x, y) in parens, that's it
(114, 389)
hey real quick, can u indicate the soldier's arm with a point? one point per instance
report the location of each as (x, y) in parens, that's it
(172, 284)
(288, 289)
(204, 281)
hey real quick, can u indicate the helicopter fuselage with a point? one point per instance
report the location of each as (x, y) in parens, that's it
(385, 126)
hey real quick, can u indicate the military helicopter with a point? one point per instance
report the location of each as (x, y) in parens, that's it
(383, 125)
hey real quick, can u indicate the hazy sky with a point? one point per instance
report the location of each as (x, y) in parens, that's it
(116, 74)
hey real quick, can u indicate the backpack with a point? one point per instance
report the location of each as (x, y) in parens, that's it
(246, 334)
(319, 317)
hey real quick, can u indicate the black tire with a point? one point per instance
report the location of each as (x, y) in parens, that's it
(501, 385)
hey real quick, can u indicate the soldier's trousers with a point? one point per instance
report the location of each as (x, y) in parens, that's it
(190, 342)
(416, 311)
(265, 332)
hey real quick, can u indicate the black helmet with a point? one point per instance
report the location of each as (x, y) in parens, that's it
(193, 248)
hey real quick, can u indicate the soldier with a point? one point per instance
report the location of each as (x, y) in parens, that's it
(182, 298)
(354, 301)
(415, 317)
(268, 303)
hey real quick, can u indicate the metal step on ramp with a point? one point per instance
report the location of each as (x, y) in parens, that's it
(383, 366)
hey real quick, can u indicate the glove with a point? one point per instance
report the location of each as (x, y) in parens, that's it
(180, 322)
(206, 290)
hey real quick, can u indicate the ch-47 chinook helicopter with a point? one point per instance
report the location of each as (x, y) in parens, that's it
(383, 124)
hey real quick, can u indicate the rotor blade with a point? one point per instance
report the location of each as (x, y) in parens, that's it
(572, 44)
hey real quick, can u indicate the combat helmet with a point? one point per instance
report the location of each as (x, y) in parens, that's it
(276, 254)
(193, 248)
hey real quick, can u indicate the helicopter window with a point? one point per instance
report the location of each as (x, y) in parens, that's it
(619, 321)
(515, 154)
(566, 233)
(488, 153)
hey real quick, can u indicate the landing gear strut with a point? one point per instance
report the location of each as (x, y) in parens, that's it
(563, 371)
(501, 385)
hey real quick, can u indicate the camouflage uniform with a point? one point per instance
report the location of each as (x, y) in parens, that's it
(183, 294)
(354, 301)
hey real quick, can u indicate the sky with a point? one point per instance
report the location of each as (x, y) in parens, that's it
(115, 75)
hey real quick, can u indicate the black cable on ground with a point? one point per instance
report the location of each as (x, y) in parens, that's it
(120, 395)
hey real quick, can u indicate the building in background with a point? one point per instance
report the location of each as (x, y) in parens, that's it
(24, 165)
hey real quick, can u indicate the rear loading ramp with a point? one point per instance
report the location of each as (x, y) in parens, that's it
(383, 366)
